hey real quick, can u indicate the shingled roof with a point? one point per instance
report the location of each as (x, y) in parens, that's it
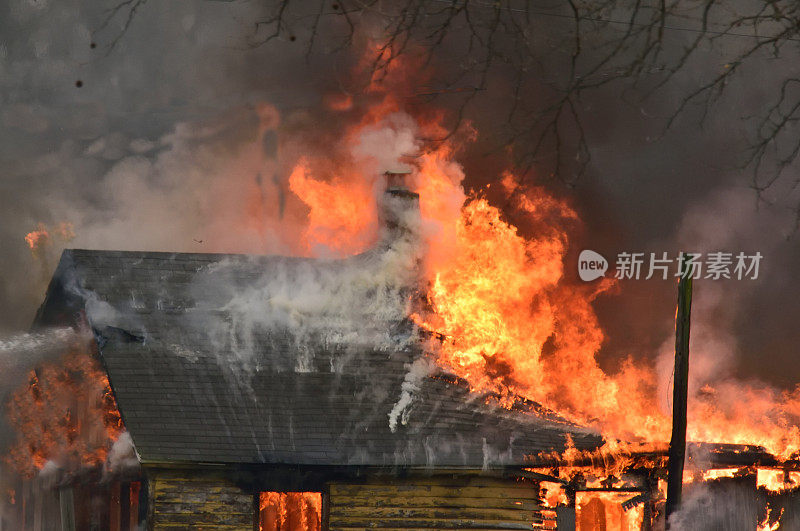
(195, 383)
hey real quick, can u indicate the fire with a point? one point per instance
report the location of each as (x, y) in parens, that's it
(553, 494)
(338, 102)
(510, 321)
(740, 412)
(719, 473)
(37, 238)
(290, 511)
(65, 414)
(777, 480)
(765, 524)
(333, 222)
(508, 318)
(42, 236)
(501, 302)
(604, 510)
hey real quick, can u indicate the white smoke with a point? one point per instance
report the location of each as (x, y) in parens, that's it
(192, 194)
(732, 221)
(27, 345)
(726, 504)
(382, 146)
(348, 303)
(419, 370)
(122, 457)
(22, 352)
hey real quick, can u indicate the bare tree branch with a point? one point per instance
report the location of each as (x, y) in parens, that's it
(557, 52)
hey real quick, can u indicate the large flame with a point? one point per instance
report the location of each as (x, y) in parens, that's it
(507, 317)
(509, 320)
(333, 223)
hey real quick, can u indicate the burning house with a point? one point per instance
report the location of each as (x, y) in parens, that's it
(291, 393)
(321, 347)
(221, 391)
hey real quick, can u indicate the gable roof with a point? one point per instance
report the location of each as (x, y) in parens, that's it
(194, 383)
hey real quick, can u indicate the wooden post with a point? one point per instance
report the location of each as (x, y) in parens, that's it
(125, 506)
(114, 507)
(67, 503)
(677, 444)
(38, 508)
(565, 516)
(134, 490)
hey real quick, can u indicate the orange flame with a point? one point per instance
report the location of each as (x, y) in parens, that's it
(765, 524)
(509, 319)
(513, 324)
(553, 494)
(719, 473)
(37, 238)
(338, 101)
(777, 480)
(603, 510)
(333, 223)
(66, 414)
(290, 511)
(43, 236)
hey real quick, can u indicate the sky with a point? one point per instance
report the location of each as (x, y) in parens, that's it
(143, 145)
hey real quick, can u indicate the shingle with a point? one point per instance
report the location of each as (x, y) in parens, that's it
(198, 406)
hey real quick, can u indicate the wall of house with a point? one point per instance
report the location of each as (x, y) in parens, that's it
(180, 500)
(434, 502)
(84, 502)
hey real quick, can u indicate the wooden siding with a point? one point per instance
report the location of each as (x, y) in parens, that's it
(435, 503)
(197, 503)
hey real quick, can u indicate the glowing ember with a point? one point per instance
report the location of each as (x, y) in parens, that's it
(290, 511)
(777, 480)
(720, 473)
(65, 414)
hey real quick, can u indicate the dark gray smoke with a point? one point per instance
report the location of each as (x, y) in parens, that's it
(182, 80)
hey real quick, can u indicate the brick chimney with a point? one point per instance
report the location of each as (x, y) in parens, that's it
(398, 213)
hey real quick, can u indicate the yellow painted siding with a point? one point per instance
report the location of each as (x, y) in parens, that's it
(435, 503)
(200, 504)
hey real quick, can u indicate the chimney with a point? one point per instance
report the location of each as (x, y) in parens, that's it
(399, 214)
